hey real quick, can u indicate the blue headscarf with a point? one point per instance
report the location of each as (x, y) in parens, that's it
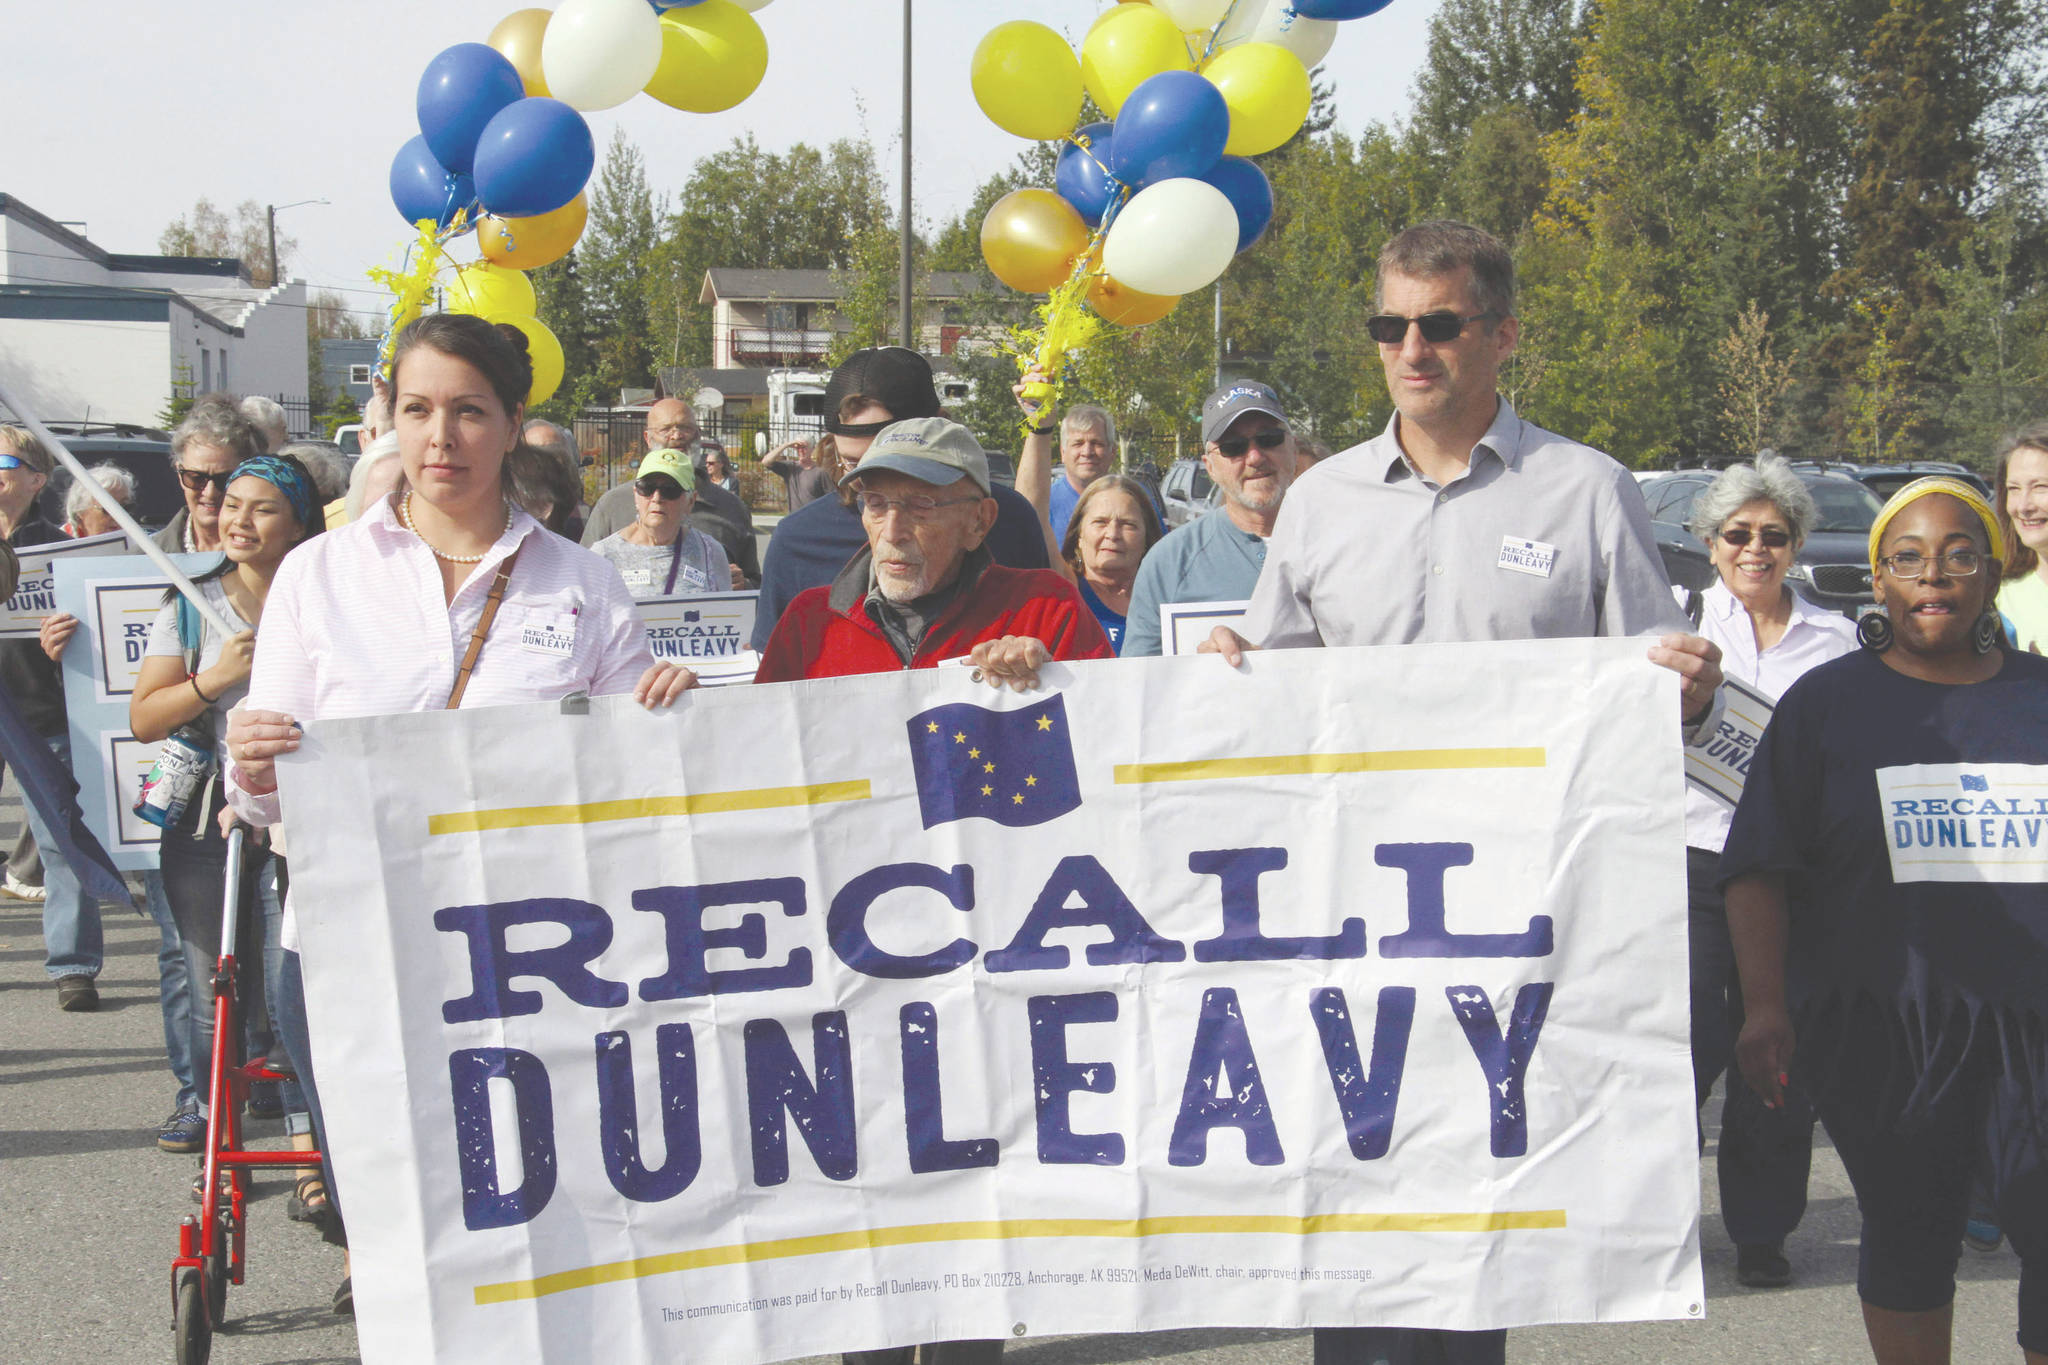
(288, 478)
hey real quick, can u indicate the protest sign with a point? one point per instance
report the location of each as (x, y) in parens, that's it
(1349, 987)
(1184, 625)
(1717, 760)
(114, 599)
(35, 595)
(706, 634)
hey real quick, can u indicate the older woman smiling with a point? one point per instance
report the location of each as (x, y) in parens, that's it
(1752, 519)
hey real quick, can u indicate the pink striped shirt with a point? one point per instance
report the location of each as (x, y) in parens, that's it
(355, 625)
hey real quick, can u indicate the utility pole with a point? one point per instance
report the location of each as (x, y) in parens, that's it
(903, 263)
(270, 212)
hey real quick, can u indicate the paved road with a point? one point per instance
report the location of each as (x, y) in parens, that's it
(89, 1211)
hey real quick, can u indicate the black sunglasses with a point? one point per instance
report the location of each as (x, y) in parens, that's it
(1771, 537)
(658, 486)
(1234, 447)
(1391, 329)
(198, 479)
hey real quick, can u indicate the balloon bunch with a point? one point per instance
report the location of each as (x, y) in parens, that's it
(504, 149)
(1153, 203)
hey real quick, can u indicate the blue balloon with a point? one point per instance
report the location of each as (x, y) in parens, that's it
(462, 90)
(422, 187)
(1339, 9)
(1082, 177)
(1249, 192)
(533, 158)
(1174, 124)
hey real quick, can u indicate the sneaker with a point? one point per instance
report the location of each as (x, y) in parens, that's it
(20, 889)
(183, 1132)
(77, 995)
(1983, 1236)
(1762, 1265)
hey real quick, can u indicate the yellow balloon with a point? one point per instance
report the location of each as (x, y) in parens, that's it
(713, 55)
(484, 289)
(1027, 80)
(542, 348)
(518, 36)
(1127, 45)
(1125, 306)
(1266, 87)
(529, 243)
(1031, 239)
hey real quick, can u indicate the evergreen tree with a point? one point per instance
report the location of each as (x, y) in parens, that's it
(615, 253)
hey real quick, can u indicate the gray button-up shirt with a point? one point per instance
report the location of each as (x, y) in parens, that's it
(1539, 538)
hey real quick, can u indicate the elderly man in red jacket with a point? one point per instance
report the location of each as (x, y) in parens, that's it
(924, 590)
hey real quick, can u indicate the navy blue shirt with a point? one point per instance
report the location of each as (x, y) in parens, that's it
(1911, 822)
(813, 543)
(1112, 624)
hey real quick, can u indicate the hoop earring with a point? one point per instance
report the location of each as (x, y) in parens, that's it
(1874, 631)
(1985, 635)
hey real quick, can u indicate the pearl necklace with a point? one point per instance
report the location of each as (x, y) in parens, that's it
(405, 517)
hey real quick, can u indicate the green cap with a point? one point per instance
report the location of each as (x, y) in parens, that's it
(673, 463)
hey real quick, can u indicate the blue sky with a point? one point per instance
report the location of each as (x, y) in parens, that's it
(138, 111)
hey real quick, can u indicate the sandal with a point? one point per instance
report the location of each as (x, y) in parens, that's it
(309, 1199)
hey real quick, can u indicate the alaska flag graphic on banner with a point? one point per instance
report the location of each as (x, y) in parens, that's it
(1012, 767)
(1973, 783)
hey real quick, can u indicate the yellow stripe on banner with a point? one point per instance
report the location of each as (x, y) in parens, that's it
(1015, 1229)
(647, 808)
(1304, 765)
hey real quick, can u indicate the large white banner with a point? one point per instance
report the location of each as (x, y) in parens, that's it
(1349, 988)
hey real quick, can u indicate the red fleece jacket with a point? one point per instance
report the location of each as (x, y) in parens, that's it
(816, 640)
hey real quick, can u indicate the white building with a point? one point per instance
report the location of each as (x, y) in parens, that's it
(89, 334)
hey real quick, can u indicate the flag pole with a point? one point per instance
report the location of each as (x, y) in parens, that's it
(179, 579)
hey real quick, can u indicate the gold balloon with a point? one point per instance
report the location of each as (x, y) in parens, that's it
(484, 289)
(1125, 306)
(1031, 239)
(518, 36)
(528, 243)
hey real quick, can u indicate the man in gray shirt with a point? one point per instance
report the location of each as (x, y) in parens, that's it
(1250, 452)
(1460, 521)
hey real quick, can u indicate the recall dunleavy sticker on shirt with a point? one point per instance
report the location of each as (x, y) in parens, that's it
(1717, 762)
(1966, 822)
(1531, 557)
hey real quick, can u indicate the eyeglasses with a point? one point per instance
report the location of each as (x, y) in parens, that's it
(1234, 447)
(12, 462)
(1912, 565)
(1391, 329)
(198, 479)
(1771, 538)
(658, 486)
(918, 506)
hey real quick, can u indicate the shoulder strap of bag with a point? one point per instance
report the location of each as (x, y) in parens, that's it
(483, 629)
(191, 633)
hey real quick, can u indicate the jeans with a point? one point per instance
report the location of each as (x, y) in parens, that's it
(72, 943)
(193, 857)
(174, 988)
(289, 1014)
(269, 1038)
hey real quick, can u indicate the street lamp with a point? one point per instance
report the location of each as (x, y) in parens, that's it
(903, 264)
(270, 212)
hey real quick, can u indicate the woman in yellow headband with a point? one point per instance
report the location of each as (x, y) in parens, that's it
(1887, 890)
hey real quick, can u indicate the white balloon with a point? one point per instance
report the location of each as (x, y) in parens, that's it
(1274, 21)
(600, 53)
(1193, 14)
(1174, 237)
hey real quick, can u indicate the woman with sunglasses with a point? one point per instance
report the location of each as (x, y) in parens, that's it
(1752, 519)
(659, 553)
(1890, 918)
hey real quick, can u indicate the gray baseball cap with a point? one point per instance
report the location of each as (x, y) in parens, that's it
(1232, 401)
(930, 449)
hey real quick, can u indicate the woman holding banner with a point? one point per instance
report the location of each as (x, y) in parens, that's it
(190, 678)
(362, 623)
(1884, 886)
(1753, 519)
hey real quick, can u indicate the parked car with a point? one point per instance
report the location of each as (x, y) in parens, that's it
(1887, 479)
(1188, 491)
(1832, 569)
(145, 454)
(350, 439)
